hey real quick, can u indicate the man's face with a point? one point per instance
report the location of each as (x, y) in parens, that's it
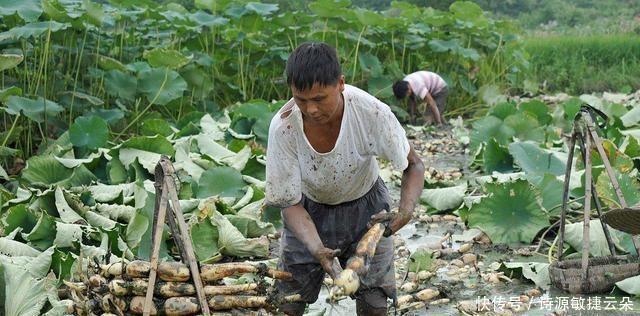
(319, 104)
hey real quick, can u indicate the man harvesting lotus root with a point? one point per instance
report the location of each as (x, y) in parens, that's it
(322, 172)
(425, 87)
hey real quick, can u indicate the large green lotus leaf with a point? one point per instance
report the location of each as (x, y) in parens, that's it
(212, 5)
(420, 260)
(45, 171)
(117, 173)
(81, 176)
(631, 118)
(121, 84)
(107, 63)
(525, 127)
(538, 109)
(251, 227)
(617, 158)
(496, 158)
(91, 132)
(231, 242)
(111, 116)
(157, 144)
(94, 13)
(221, 181)
(26, 295)
(8, 61)
(328, 8)
(66, 212)
(511, 213)
(6, 152)
(240, 159)
(628, 185)
(468, 11)
(148, 160)
(33, 29)
(28, 10)
(468, 86)
(630, 285)
(533, 159)
(155, 127)
(444, 198)
(490, 127)
(368, 17)
(164, 57)
(41, 235)
(67, 234)
(631, 132)
(371, 64)
(263, 9)
(136, 229)
(441, 46)
(205, 240)
(58, 11)
(212, 149)
(97, 220)
(538, 272)
(200, 82)
(39, 266)
(106, 193)
(161, 85)
(550, 191)
(80, 98)
(7, 92)
(631, 147)
(3, 174)
(14, 248)
(571, 108)
(33, 109)
(380, 87)
(184, 159)
(205, 19)
(120, 212)
(597, 242)
(18, 216)
(145, 202)
(491, 94)
(469, 53)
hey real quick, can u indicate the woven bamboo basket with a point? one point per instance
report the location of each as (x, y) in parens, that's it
(596, 274)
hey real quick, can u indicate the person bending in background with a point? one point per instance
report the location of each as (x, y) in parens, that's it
(425, 87)
(323, 174)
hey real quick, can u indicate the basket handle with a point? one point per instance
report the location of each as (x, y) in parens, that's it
(587, 211)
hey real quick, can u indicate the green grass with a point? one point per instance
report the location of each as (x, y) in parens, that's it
(577, 64)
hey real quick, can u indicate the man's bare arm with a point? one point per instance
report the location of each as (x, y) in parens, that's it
(301, 225)
(434, 107)
(410, 190)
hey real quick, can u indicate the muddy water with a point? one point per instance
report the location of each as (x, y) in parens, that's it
(474, 288)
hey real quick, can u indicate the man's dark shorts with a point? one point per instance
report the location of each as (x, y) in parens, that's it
(340, 227)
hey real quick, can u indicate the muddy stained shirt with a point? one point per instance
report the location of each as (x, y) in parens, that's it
(349, 170)
(422, 82)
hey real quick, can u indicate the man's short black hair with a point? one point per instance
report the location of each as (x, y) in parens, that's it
(401, 89)
(313, 62)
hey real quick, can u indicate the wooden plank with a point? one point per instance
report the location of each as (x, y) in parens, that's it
(155, 251)
(188, 247)
(587, 214)
(565, 193)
